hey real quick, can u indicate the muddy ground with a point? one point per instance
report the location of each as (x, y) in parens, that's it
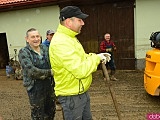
(132, 100)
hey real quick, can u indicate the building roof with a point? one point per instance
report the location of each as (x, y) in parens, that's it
(11, 1)
(6, 5)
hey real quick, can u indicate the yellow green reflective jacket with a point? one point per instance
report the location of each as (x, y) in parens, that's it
(71, 66)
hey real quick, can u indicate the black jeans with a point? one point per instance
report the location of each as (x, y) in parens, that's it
(41, 101)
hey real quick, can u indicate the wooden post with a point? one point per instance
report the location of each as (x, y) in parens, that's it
(108, 83)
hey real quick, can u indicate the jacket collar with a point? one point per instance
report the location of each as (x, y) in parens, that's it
(67, 31)
(29, 47)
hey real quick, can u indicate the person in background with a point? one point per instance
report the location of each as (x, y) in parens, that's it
(73, 67)
(108, 46)
(37, 74)
(49, 35)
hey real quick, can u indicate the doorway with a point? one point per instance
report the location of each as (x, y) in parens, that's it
(116, 18)
(4, 55)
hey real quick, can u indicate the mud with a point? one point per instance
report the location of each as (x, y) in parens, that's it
(132, 100)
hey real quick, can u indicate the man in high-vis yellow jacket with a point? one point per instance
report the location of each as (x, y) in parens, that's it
(71, 66)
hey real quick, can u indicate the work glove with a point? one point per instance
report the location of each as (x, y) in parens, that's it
(105, 57)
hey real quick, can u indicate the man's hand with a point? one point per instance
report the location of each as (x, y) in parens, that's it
(104, 57)
(109, 50)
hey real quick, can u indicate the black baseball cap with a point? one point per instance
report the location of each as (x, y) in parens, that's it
(71, 11)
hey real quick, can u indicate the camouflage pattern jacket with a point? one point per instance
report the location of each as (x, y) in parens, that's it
(34, 66)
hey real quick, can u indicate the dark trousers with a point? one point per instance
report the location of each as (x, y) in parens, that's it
(111, 66)
(76, 107)
(41, 101)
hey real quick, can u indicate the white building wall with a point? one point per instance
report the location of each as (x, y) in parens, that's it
(147, 20)
(16, 23)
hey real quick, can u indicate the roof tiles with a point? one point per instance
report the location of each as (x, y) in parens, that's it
(7, 5)
(11, 1)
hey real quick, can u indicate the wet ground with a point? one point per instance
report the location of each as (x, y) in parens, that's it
(133, 102)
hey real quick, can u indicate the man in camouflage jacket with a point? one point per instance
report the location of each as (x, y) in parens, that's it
(37, 74)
